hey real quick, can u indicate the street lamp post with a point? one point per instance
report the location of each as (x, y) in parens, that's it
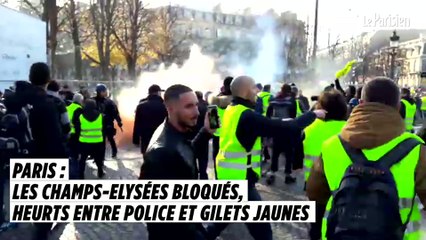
(394, 44)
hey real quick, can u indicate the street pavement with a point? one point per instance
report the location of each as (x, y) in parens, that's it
(127, 166)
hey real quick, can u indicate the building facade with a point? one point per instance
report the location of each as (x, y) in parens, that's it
(221, 34)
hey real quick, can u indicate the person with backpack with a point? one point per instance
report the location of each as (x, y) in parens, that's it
(15, 142)
(367, 177)
(46, 130)
(283, 107)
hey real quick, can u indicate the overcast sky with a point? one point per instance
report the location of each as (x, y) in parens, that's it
(352, 17)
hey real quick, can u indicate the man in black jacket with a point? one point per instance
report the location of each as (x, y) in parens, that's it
(45, 126)
(53, 92)
(150, 113)
(170, 155)
(110, 112)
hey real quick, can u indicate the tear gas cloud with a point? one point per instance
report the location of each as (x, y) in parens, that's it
(270, 62)
(198, 72)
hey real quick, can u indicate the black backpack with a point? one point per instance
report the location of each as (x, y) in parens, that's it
(15, 135)
(281, 110)
(366, 204)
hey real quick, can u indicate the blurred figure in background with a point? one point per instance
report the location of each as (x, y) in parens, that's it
(304, 101)
(89, 128)
(264, 97)
(201, 153)
(423, 107)
(74, 109)
(221, 101)
(150, 113)
(110, 112)
(356, 100)
(300, 107)
(408, 109)
(259, 88)
(53, 92)
(66, 94)
(207, 96)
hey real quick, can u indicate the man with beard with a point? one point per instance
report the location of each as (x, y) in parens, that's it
(170, 155)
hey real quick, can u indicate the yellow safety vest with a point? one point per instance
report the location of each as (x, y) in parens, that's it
(71, 110)
(315, 135)
(220, 112)
(232, 159)
(265, 96)
(91, 132)
(299, 111)
(410, 112)
(424, 103)
(336, 161)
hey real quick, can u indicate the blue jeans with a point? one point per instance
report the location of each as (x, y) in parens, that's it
(259, 231)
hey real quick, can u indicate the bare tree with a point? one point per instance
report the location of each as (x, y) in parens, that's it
(333, 49)
(73, 14)
(103, 17)
(165, 39)
(129, 33)
(48, 11)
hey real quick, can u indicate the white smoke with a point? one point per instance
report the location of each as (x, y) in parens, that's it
(270, 63)
(196, 73)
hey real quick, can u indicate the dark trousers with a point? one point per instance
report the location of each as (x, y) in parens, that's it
(259, 231)
(42, 231)
(111, 140)
(96, 150)
(215, 151)
(73, 146)
(315, 230)
(265, 151)
(281, 146)
(298, 153)
(202, 155)
(3, 180)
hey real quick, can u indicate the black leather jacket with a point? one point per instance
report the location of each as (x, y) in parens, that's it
(170, 155)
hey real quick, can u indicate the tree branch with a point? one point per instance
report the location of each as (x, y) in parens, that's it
(30, 5)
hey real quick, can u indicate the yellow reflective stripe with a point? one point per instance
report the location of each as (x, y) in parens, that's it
(91, 136)
(231, 155)
(405, 203)
(413, 227)
(92, 130)
(311, 157)
(238, 166)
